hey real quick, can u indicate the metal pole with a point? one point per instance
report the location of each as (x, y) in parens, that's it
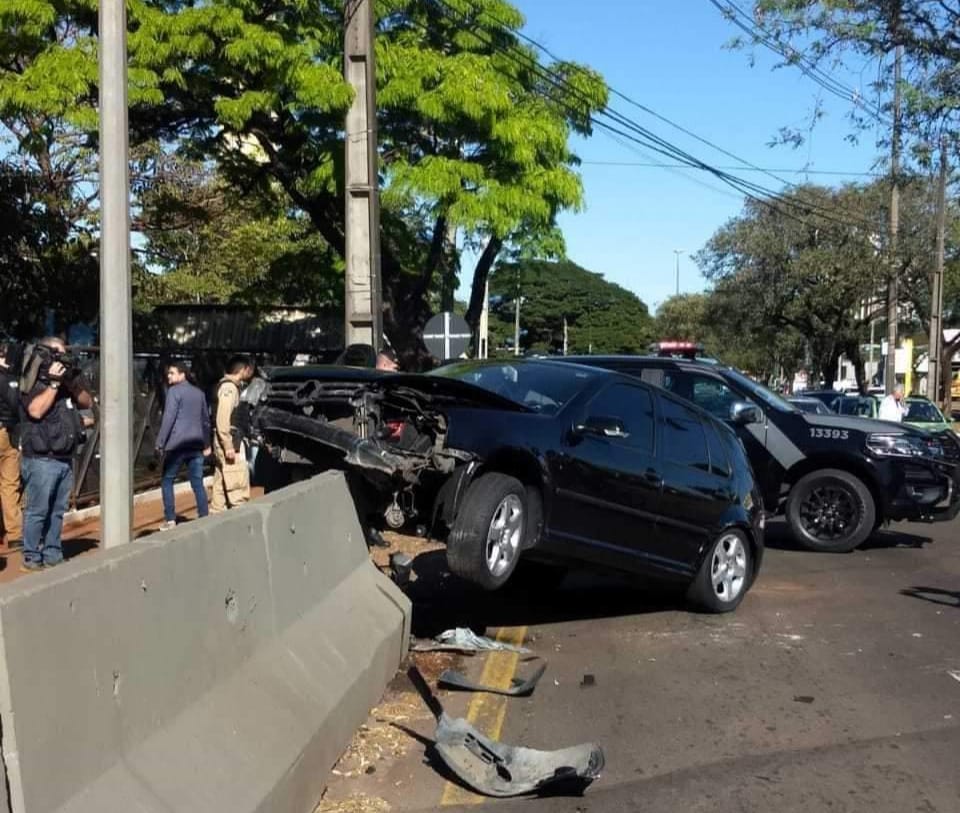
(677, 252)
(893, 311)
(936, 298)
(566, 336)
(116, 329)
(485, 323)
(362, 291)
(516, 326)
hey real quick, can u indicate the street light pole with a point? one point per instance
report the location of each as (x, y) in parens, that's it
(116, 320)
(677, 252)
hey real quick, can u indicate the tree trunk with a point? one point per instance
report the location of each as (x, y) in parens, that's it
(478, 289)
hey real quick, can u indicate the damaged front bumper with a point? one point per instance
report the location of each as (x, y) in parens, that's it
(929, 496)
(361, 453)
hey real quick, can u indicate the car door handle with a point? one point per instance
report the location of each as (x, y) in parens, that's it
(653, 478)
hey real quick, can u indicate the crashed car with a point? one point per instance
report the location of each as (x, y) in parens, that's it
(535, 460)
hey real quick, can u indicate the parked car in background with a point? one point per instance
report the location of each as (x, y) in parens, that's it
(828, 397)
(863, 406)
(924, 414)
(812, 405)
(553, 464)
(836, 478)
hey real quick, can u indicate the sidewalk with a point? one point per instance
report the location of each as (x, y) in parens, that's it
(84, 536)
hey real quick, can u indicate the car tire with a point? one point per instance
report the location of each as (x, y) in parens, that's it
(725, 574)
(489, 531)
(831, 511)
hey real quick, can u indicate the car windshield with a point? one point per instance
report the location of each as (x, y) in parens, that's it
(543, 387)
(862, 406)
(923, 412)
(761, 393)
(809, 405)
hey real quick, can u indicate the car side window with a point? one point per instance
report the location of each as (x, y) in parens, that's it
(633, 406)
(684, 440)
(714, 396)
(719, 461)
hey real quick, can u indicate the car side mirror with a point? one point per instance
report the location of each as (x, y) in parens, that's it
(742, 413)
(602, 426)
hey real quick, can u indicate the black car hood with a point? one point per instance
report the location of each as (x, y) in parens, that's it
(865, 425)
(434, 389)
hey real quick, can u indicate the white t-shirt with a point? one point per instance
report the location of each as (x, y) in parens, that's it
(892, 410)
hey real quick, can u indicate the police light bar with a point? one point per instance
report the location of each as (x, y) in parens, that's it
(678, 348)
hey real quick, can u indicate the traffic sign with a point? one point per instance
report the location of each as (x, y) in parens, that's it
(447, 335)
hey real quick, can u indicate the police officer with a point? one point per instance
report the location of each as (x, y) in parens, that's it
(9, 452)
(231, 478)
(51, 429)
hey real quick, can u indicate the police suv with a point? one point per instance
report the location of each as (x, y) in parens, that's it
(836, 478)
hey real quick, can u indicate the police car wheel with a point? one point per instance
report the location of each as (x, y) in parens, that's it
(831, 511)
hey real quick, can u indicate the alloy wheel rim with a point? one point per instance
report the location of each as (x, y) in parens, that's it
(829, 512)
(503, 535)
(728, 568)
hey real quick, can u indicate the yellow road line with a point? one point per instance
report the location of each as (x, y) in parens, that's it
(487, 712)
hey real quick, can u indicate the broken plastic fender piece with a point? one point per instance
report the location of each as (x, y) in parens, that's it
(518, 687)
(466, 640)
(496, 769)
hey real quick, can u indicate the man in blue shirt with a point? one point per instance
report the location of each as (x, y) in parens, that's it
(184, 438)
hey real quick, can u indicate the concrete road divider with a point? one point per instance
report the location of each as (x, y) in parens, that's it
(222, 666)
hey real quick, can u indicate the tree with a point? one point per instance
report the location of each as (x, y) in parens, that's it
(473, 135)
(601, 316)
(779, 275)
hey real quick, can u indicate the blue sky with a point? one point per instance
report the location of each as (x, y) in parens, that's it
(670, 56)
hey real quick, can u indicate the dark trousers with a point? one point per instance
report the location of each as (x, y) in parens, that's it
(172, 461)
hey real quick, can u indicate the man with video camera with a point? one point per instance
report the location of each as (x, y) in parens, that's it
(51, 429)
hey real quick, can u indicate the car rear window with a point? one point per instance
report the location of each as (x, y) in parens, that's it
(544, 387)
(684, 441)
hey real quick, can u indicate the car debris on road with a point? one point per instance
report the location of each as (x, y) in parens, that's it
(501, 770)
(462, 639)
(518, 687)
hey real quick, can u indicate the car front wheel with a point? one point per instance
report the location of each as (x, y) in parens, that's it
(831, 511)
(724, 575)
(487, 536)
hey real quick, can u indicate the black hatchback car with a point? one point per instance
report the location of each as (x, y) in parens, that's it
(548, 462)
(835, 477)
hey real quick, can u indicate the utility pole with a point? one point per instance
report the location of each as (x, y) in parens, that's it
(677, 252)
(483, 350)
(893, 311)
(516, 324)
(362, 291)
(936, 297)
(566, 335)
(116, 317)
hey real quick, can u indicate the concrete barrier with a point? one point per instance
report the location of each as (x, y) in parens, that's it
(222, 667)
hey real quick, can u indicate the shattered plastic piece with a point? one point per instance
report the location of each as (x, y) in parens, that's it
(463, 639)
(954, 674)
(496, 769)
(518, 687)
(401, 566)
(588, 680)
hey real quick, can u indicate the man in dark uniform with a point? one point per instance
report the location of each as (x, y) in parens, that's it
(51, 429)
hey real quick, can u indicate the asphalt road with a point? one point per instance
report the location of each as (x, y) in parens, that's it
(829, 689)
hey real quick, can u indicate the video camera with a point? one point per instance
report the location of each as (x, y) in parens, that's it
(37, 361)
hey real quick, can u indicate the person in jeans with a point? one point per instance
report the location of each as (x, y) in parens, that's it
(183, 439)
(9, 445)
(51, 429)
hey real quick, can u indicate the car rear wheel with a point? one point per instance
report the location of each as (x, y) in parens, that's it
(725, 574)
(831, 511)
(488, 534)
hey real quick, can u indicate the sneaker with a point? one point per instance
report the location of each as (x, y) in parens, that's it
(168, 525)
(31, 567)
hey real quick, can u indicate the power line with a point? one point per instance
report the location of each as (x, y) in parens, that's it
(736, 15)
(635, 132)
(738, 168)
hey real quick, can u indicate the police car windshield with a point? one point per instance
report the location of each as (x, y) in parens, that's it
(761, 393)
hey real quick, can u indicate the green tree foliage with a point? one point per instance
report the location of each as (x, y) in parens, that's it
(601, 316)
(775, 273)
(207, 244)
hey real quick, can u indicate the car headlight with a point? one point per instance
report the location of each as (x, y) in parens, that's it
(896, 445)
